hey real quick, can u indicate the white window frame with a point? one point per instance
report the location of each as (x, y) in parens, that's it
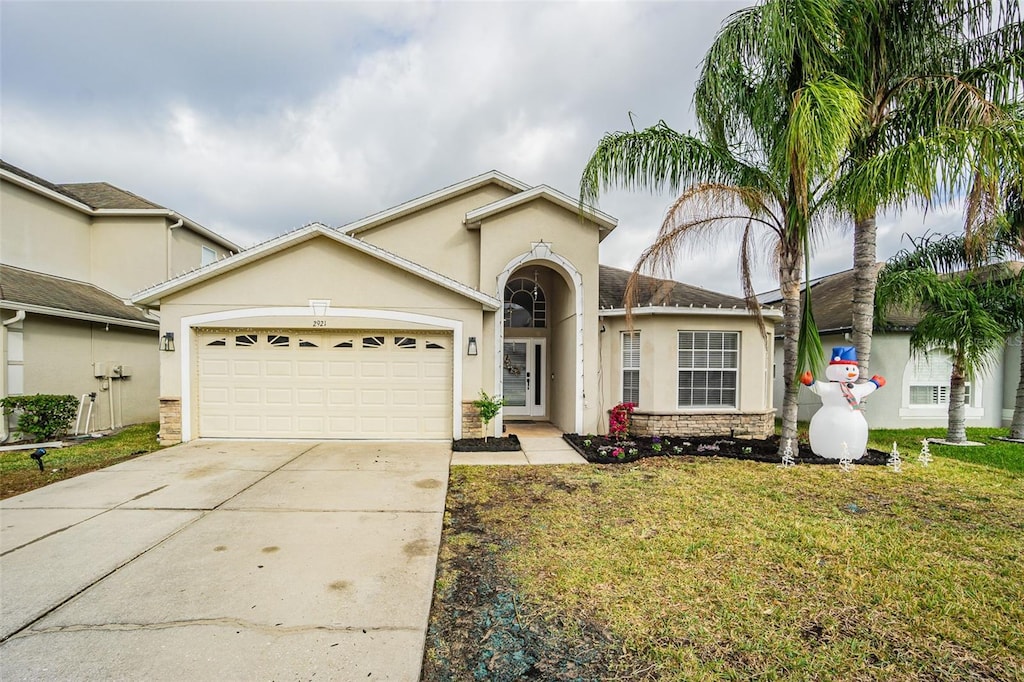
(208, 256)
(735, 369)
(629, 367)
(973, 408)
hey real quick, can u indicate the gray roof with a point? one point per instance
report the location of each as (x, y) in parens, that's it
(27, 287)
(658, 292)
(105, 195)
(92, 194)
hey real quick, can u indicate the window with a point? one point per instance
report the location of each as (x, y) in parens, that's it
(218, 342)
(373, 342)
(245, 340)
(278, 340)
(344, 344)
(405, 342)
(929, 380)
(708, 364)
(434, 346)
(631, 367)
(209, 256)
(525, 305)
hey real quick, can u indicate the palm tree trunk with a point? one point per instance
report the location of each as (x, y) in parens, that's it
(1017, 425)
(956, 431)
(865, 275)
(789, 284)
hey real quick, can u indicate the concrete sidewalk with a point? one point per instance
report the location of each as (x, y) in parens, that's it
(226, 561)
(541, 443)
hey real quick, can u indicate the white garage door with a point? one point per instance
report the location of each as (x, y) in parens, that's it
(311, 384)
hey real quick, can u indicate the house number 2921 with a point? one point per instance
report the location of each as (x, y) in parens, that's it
(319, 323)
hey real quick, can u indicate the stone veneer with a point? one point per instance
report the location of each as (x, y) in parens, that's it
(738, 424)
(472, 426)
(170, 421)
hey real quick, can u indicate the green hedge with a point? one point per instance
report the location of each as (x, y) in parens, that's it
(42, 416)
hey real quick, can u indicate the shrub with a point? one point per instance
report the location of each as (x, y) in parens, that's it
(619, 419)
(488, 408)
(43, 416)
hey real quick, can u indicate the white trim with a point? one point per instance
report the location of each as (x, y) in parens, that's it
(186, 331)
(437, 197)
(604, 221)
(939, 412)
(541, 251)
(531, 409)
(89, 210)
(690, 310)
(76, 315)
(152, 294)
(634, 334)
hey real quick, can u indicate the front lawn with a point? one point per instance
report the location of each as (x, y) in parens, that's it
(19, 472)
(709, 569)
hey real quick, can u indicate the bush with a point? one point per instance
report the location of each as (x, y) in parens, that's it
(488, 407)
(43, 416)
(620, 419)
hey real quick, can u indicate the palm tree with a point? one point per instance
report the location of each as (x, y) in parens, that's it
(964, 314)
(773, 124)
(931, 74)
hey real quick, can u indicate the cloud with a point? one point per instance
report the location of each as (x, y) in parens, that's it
(256, 118)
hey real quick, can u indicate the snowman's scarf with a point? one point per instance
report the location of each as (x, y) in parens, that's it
(853, 400)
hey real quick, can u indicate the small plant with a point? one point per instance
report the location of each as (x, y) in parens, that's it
(619, 420)
(618, 453)
(676, 449)
(747, 450)
(656, 443)
(488, 408)
(587, 442)
(43, 416)
(633, 452)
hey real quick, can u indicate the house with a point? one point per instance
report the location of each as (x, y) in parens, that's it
(916, 393)
(391, 326)
(70, 256)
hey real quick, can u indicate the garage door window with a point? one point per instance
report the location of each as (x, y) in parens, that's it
(278, 340)
(405, 342)
(373, 342)
(218, 342)
(243, 340)
(306, 343)
(344, 344)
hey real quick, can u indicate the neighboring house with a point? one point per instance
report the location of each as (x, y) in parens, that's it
(916, 393)
(391, 326)
(70, 256)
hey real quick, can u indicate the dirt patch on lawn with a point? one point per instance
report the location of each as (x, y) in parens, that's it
(483, 628)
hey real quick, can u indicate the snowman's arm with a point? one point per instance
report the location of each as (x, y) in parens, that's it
(868, 387)
(807, 379)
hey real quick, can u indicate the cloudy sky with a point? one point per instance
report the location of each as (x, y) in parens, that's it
(254, 118)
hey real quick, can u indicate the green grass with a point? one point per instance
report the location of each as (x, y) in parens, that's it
(715, 569)
(19, 472)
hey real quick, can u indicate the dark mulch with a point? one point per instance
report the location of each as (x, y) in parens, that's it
(606, 450)
(509, 443)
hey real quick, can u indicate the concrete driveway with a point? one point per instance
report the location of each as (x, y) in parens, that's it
(220, 560)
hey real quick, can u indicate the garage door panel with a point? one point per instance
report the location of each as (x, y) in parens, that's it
(278, 396)
(320, 385)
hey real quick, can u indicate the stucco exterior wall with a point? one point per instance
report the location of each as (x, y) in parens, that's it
(1011, 377)
(59, 358)
(42, 235)
(889, 407)
(322, 269)
(659, 360)
(509, 235)
(436, 237)
(128, 253)
(187, 251)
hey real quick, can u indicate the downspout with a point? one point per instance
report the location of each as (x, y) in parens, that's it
(19, 316)
(171, 228)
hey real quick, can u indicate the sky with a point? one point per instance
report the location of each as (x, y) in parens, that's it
(255, 118)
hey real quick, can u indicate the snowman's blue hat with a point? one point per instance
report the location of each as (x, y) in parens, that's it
(844, 355)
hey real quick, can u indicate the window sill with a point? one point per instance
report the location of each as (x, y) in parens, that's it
(939, 412)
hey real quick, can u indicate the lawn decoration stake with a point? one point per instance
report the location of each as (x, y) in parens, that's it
(894, 462)
(925, 458)
(839, 423)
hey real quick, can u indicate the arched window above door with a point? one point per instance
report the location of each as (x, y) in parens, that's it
(525, 305)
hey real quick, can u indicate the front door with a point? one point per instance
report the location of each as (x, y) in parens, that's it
(523, 386)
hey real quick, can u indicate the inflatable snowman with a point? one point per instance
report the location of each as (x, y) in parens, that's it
(839, 421)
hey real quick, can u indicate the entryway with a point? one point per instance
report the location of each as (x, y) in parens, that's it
(523, 369)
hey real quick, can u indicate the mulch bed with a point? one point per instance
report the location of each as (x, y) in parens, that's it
(509, 443)
(605, 450)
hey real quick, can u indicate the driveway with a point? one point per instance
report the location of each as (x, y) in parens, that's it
(226, 560)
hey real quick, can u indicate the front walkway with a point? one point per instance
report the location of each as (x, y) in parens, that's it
(542, 443)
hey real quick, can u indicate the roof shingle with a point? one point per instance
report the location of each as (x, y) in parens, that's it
(658, 292)
(19, 286)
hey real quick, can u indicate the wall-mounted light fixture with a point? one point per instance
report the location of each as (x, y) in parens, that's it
(471, 349)
(167, 342)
